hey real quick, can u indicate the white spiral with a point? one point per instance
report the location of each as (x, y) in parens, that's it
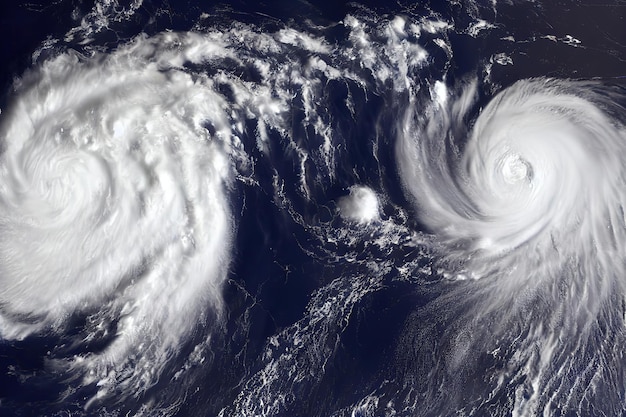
(542, 168)
(113, 204)
(532, 207)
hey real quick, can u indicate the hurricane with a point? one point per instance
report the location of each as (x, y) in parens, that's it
(99, 181)
(531, 209)
(310, 209)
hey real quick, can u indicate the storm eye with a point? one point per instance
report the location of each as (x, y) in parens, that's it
(515, 169)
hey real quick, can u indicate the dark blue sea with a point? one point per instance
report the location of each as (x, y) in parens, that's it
(312, 208)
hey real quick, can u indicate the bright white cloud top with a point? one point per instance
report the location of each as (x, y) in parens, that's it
(113, 203)
(360, 206)
(533, 205)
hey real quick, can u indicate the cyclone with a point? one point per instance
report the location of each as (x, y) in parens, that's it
(114, 207)
(527, 199)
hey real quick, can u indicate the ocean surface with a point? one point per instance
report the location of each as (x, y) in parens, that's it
(312, 209)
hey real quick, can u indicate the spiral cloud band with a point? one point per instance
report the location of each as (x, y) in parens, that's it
(113, 205)
(532, 208)
(542, 164)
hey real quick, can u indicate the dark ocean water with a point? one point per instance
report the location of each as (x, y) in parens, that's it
(312, 208)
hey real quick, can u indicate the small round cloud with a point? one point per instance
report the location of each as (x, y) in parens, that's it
(360, 206)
